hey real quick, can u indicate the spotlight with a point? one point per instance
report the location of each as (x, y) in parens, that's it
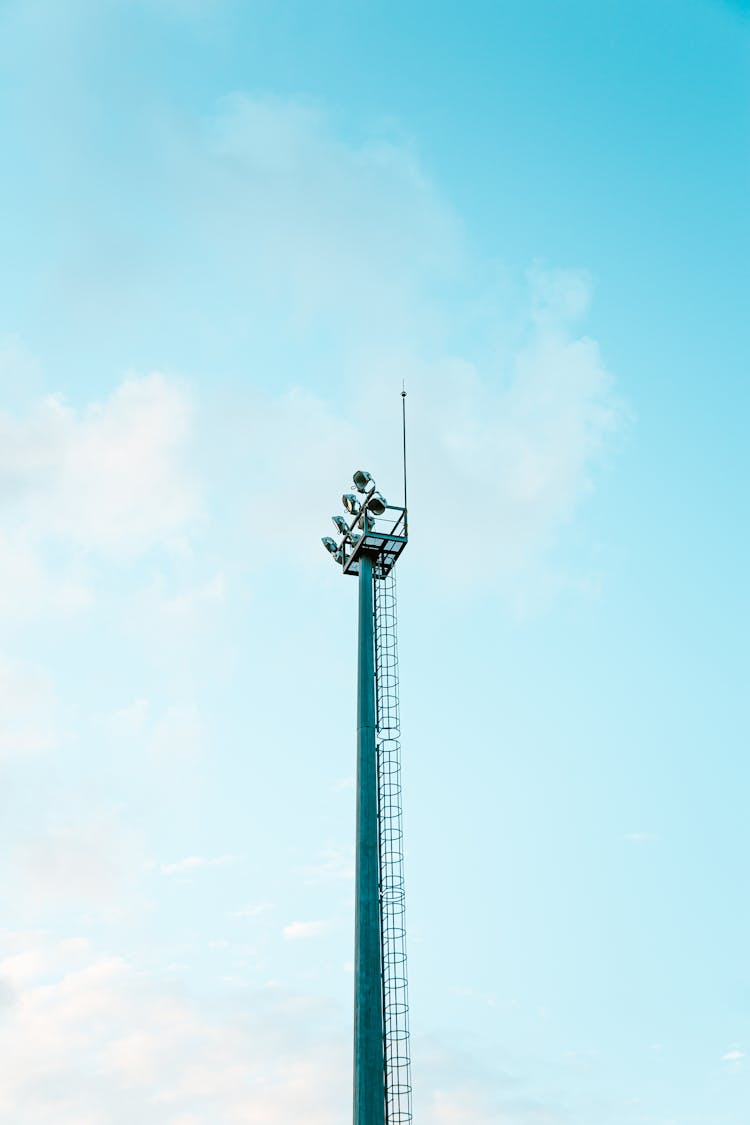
(351, 503)
(362, 479)
(341, 524)
(377, 504)
(366, 521)
(330, 544)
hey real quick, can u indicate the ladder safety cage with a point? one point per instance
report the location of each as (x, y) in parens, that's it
(398, 1088)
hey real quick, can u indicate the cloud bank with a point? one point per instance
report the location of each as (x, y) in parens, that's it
(335, 269)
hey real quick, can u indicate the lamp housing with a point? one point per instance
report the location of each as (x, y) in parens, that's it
(376, 504)
(363, 481)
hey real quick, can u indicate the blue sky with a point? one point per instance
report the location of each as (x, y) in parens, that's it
(228, 232)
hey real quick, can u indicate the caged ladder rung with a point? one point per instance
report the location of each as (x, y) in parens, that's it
(398, 1089)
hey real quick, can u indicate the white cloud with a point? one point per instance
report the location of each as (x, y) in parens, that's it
(507, 421)
(321, 226)
(252, 910)
(508, 450)
(350, 237)
(297, 931)
(333, 864)
(30, 589)
(71, 862)
(733, 1056)
(186, 605)
(90, 1039)
(107, 480)
(87, 1036)
(177, 733)
(28, 711)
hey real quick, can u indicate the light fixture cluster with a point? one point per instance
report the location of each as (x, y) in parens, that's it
(372, 504)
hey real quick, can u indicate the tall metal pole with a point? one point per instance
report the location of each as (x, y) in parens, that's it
(369, 1069)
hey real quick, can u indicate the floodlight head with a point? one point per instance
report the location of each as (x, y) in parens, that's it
(377, 504)
(366, 521)
(330, 545)
(363, 481)
(351, 503)
(341, 524)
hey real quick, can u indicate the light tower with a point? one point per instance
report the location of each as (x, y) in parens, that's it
(371, 539)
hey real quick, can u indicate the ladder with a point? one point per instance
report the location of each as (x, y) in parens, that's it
(398, 1089)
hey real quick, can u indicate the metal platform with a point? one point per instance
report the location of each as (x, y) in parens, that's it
(384, 542)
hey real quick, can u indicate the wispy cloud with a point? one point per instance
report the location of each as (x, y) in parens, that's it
(193, 863)
(333, 864)
(336, 232)
(79, 1015)
(734, 1055)
(108, 480)
(319, 237)
(28, 711)
(94, 858)
(300, 931)
(252, 910)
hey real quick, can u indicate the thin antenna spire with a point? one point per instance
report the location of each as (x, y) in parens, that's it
(403, 429)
